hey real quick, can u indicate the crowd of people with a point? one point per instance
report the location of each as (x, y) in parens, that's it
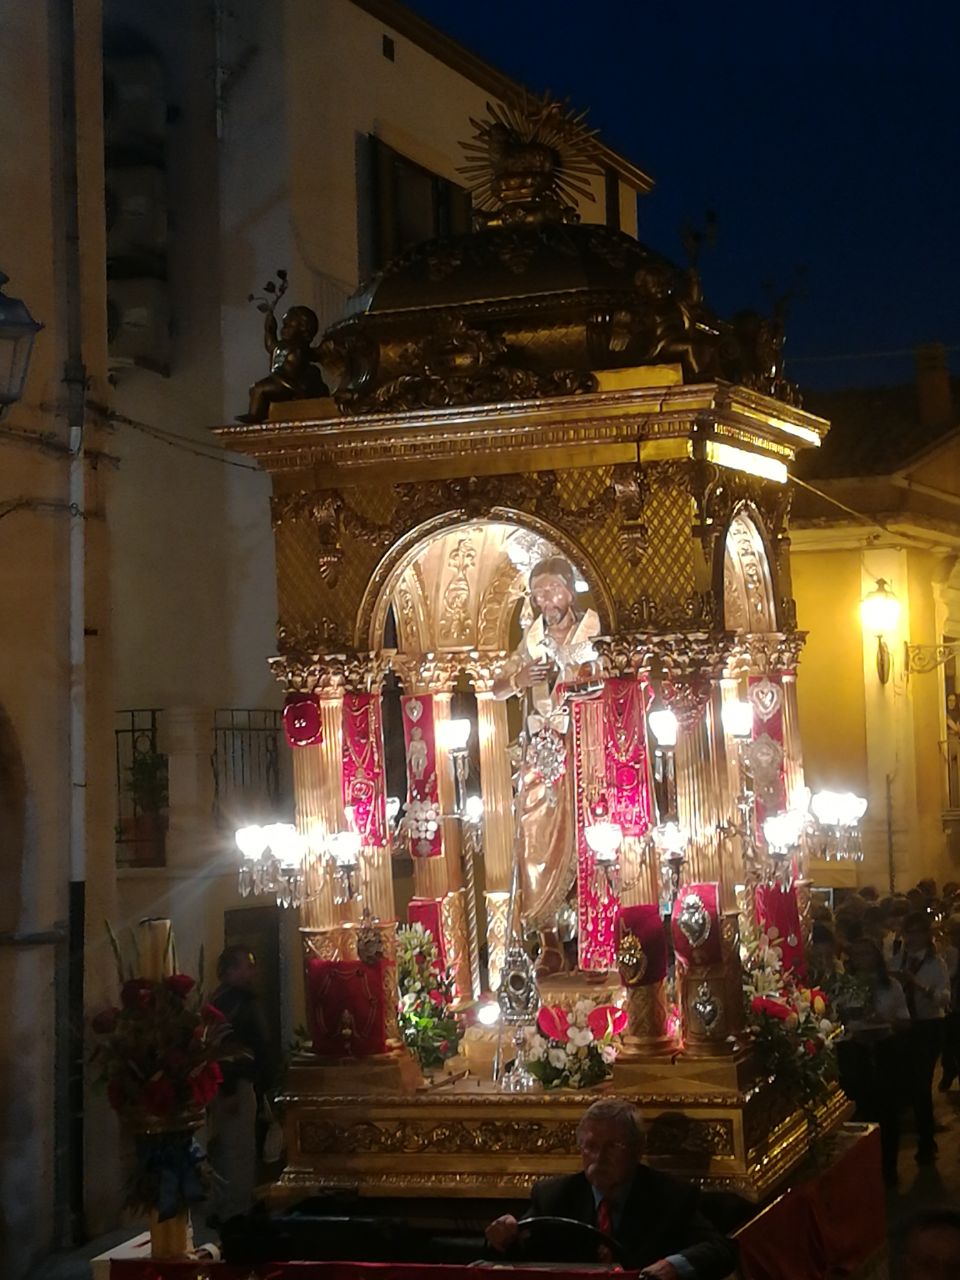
(892, 967)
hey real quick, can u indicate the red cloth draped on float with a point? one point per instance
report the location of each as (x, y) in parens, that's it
(611, 785)
(423, 798)
(625, 741)
(766, 748)
(645, 924)
(345, 1008)
(362, 777)
(428, 912)
(777, 908)
(696, 925)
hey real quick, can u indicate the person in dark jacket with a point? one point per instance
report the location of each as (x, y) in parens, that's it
(655, 1219)
(233, 1113)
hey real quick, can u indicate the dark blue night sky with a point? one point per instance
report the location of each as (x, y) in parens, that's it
(825, 136)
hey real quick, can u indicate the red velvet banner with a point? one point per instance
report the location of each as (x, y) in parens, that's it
(696, 925)
(766, 749)
(345, 1012)
(645, 924)
(625, 734)
(427, 911)
(597, 905)
(777, 908)
(422, 811)
(361, 773)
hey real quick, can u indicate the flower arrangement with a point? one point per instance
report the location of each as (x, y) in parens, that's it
(427, 1025)
(789, 1024)
(574, 1049)
(158, 1054)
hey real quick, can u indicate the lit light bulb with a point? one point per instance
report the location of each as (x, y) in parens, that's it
(251, 841)
(488, 1013)
(664, 727)
(473, 809)
(880, 610)
(604, 838)
(454, 734)
(737, 718)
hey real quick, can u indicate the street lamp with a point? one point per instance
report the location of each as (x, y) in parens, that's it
(879, 614)
(17, 332)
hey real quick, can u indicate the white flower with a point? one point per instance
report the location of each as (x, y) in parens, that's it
(536, 1047)
(826, 1027)
(580, 1036)
(557, 1058)
(582, 1009)
(608, 1055)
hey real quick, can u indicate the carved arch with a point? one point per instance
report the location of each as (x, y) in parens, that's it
(371, 616)
(745, 573)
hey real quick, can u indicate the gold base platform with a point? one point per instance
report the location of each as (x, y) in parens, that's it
(711, 1121)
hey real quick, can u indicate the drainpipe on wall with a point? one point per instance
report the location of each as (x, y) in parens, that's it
(891, 864)
(75, 381)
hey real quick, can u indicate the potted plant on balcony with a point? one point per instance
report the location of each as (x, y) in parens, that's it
(147, 785)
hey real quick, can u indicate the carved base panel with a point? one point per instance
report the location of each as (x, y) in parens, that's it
(470, 1140)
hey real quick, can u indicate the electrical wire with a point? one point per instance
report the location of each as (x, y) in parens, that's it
(187, 445)
(866, 355)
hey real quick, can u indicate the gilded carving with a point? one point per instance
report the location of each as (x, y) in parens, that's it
(673, 1132)
(455, 622)
(503, 1137)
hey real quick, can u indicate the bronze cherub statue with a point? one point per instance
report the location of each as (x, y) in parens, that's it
(293, 359)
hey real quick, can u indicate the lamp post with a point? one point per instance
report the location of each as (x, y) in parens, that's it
(17, 332)
(879, 614)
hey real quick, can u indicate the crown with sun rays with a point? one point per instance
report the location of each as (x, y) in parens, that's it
(531, 155)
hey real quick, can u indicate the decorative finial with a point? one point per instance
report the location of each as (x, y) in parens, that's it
(530, 160)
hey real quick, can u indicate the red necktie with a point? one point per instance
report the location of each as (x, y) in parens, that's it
(604, 1223)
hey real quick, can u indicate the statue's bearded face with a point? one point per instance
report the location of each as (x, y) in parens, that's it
(552, 596)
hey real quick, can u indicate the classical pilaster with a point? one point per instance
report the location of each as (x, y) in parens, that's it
(496, 785)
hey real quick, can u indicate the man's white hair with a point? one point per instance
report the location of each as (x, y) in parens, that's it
(619, 1112)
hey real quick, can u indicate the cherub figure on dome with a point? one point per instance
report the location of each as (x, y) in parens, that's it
(294, 374)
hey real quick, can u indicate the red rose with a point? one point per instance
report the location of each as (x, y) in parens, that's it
(606, 1020)
(210, 1013)
(105, 1021)
(810, 1048)
(158, 1096)
(137, 993)
(772, 1008)
(553, 1022)
(181, 984)
(435, 997)
(443, 1047)
(205, 1082)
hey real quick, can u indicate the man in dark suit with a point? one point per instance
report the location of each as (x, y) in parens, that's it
(653, 1217)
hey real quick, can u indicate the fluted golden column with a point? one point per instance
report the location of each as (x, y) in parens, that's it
(639, 872)
(698, 798)
(319, 809)
(792, 749)
(496, 786)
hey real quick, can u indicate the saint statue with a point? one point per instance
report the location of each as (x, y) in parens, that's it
(552, 661)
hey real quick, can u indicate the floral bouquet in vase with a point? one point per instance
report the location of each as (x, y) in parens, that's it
(428, 1026)
(789, 1024)
(574, 1049)
(158, 1054)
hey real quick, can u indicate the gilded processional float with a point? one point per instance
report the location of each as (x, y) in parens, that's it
(545, 499)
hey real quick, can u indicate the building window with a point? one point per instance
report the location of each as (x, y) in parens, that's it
(406, 204)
